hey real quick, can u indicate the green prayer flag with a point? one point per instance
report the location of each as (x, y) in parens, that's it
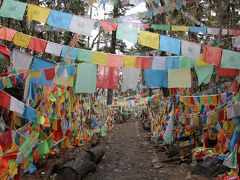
(86, 78)
(13, 9)
(50, 143)
(186, 62)
(163, 27)
(84, 55)
(204, 74)
(230, 59)
(43, 148)
(8, 82)
(26, 147)
(102, 132)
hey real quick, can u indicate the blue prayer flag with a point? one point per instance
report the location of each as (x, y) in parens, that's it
(59, 19)
(169, 44)
(172, 62)
(156, 78)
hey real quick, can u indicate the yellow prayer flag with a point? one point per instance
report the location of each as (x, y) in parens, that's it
(21, 39)
(35, 74)
(180, 28)
(37, 13)
(99, 58)
(149, 39)
(179, 78)
(65, 81)
(129, 61)
(200, 62)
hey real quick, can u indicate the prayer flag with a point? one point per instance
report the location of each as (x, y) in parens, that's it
(107, 77)
(200, 30)
(186, 62)
(37, 13)
(144, 62)
(127, 33)
(82, 25)
(162, 27)
(114, 60)
(7, 34)
(130, 78)
(191, 50)
(200, 62)
(204, 74)
(159, 63)
(108, 26)
(13, 9)
(49, 73)
(99, 58)
(59, 19)
(179, 78)
(180, 28)
(234, 32)
(155, 78)
(212, 55)
(84, 55)
(21, 60)
(54, 48)
(69, 52)
(169, 44)
(86, 78)
(129, 61)
(213, 31)
(148, 39)
(227, 72)
(21, 39)
(230, 59)
(37, 44)
(4, 99)
(172, 62)
(16, 105)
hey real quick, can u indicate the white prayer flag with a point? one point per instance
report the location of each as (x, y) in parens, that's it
(16, 105)
(21, 60)
(159, 63)
(191, 50)
(54, 48)
(130, 78)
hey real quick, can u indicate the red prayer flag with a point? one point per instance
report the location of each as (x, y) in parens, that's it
(4, 99)
(144, 62)
(109, 27)
(114, 60)
(212, 55)
(13, 80)
(38, 45)
(4, 161)
(234, 32)
(227, 72)
(108, 77)
(6, 140)
(49, 73)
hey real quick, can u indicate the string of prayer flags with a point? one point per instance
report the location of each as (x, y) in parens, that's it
(54, 48)
(212, 55)
(159, 62)
(21, 39)
(37, 44)
(144, 62)
(156, 78)
(59, 19)
(107, 77)
(86, 78)
(37, 13)
(7, 34)
(13, 9)
(191, 50)
(99, 58)
(21, 61)
(180, 28)
(127, 33)
(114, 60)
(85, 55)
(169, 44)
(204, 74)
(149, 39)
(130, 78)
(179, 78)
(82, 25)
(129, 61)
(230, 59)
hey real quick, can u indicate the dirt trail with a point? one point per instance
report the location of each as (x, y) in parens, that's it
(130, 156)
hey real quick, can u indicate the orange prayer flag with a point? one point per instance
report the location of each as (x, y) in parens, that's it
(108, 26)
(144, 62)
(205, 100)
(37, 44)
(7, 34)
(212, 55)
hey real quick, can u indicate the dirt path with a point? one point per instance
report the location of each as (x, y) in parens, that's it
(130, 156)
